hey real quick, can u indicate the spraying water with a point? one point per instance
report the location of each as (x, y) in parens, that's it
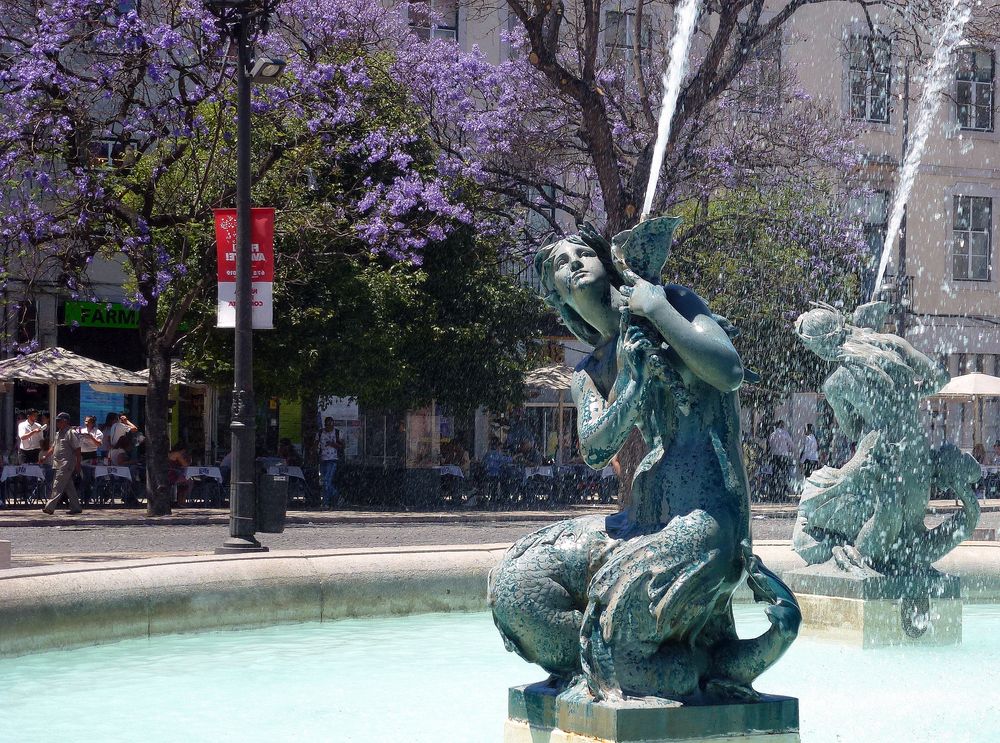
(948, 38)
(673, 76)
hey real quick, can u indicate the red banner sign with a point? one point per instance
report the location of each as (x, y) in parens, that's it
(262, 272)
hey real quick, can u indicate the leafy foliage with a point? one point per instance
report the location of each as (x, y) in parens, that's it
(761, 274)
(393, 335)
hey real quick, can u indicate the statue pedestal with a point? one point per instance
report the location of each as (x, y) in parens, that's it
(876, 610)
(536, 715)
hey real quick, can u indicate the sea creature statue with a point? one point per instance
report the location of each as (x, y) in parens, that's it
(638, 604)
(867, 517)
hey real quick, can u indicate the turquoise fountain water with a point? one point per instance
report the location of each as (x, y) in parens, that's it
(444, 677)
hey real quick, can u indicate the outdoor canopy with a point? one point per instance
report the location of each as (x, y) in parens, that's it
(55, 366)
(969, 386)
(972, 388)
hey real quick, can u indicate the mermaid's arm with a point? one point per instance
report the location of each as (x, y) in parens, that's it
(687, 325)
(836, 392)
(932, 376)
(603, 426)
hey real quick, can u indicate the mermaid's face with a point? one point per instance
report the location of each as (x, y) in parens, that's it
(822, 333)
(578, 274)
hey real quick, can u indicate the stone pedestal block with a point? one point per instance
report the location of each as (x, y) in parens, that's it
(877, 611)
(4, 555)
(537, 715)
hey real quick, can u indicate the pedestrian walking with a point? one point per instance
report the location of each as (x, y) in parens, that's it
(809, 455)
(780, 447)
(29, 438)
(65, 457)
(329, 452)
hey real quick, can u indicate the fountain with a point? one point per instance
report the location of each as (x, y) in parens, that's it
(947, 39)
(860, 527)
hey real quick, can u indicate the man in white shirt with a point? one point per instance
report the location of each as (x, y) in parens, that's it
(91, 439)
(29, 438)
(809, 459)
(120, 427)
(329, 453)
(780, 446)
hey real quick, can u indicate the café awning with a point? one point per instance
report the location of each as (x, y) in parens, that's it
(969, 386)
(178, 376)
(972, 388)
(56, 366)
(555, 377)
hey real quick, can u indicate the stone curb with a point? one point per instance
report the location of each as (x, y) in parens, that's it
(73, 604)
(222, 518)
(205, 517)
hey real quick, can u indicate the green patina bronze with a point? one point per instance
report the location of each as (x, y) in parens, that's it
(639, 604)
(866, 518)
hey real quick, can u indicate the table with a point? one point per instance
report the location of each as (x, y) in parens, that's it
(543, 471)
(450, 469)
(22, 470)
(113, 470)
(213, 473)
(284, 469)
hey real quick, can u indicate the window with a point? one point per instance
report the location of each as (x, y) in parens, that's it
(619, 33)
(541, 216)
(434, 19)
(971, 237)
(975, 89)
(868, 78)
(872, 211)
(760, 78)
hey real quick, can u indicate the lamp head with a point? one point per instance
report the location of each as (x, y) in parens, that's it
(266, 69)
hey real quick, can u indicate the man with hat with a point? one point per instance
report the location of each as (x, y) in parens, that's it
(65, 456)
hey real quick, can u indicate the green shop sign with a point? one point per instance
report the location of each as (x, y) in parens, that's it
(101, 315)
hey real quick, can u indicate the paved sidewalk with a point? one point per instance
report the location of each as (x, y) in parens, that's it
(118, 516)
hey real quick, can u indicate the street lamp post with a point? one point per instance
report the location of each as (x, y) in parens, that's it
(241, 20)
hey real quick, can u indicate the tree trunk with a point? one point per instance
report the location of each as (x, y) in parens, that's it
(157, 429)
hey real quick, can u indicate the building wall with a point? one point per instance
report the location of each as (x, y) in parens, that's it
(949, 316)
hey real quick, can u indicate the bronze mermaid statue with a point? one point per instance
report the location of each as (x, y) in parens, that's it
(639, 604)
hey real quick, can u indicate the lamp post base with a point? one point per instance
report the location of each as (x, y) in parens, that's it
(238, 545)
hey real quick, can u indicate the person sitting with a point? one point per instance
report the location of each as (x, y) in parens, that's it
(121, 454)
(286, 450)
(453, 453)
(177, 459)
(494, 459)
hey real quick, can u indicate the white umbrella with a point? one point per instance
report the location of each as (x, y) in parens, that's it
(55, 366)
(555, 378)
(972, 387)
(969, 386)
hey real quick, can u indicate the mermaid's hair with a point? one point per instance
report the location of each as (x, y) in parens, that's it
(545, 269)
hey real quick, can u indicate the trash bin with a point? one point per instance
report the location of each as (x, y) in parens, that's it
(272, 503)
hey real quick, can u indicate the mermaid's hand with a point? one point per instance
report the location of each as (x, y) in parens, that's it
(633, 352)
(643, 297)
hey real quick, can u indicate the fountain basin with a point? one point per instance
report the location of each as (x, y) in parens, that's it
(444, 678)
(71, 605)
